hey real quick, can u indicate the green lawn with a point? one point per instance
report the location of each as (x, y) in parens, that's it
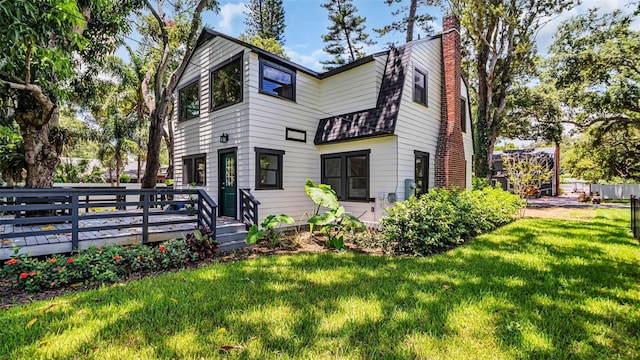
(537, 288)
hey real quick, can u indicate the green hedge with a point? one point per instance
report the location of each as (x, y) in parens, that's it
(442, 218)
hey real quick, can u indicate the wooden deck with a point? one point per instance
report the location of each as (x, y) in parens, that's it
(230, 233)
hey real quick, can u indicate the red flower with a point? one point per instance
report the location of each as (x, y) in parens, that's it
(117, 258)
(70, 261)
(53, 283)
(12, 261)
(139, 258)
(23, 275)
(58, 269)
(33, 273)
(53, 260)
(162, 248)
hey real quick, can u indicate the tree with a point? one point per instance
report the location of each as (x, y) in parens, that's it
(525, 173)
(500, 42)
(44, 45)
(605, 156)
(594, 62)
(533, 113)
(411, 17)
(266, 44)
(265, 19)
(158, 92)
(345, 33)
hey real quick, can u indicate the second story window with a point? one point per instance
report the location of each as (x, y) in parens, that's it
(189, 101)
(420, 86)
(277, 80)
(226, 83)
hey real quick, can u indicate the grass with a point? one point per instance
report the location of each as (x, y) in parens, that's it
(538, 288)
(616, 201)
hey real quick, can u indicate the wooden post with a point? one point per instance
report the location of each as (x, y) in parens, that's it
(145, 217)
(75, 219)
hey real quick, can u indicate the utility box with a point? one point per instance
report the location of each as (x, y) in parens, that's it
(409, 188)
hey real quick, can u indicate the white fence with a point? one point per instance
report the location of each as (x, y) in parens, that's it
(619, 191)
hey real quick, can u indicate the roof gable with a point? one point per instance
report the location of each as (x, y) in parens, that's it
(378, 121)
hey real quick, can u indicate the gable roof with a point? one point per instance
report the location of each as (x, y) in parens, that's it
(208, 34)
(378, 121)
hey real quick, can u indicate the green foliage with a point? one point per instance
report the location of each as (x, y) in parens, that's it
(411, 17)
(265, 20)
(499, 42)
(100, 265)
(201, 243)
(70, 172)
(346, 36)
(478, 183)
(441, 219)
(268, 229)
(267, 44)
(12, 160)
(336, 219)
(594, 65)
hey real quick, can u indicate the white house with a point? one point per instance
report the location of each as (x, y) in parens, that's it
(247, 119)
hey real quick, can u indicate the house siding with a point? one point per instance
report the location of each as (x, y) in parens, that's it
(418, 126)
(269, 118)
(202, 135)
(467, 138)
(383, 174)
(350, 91)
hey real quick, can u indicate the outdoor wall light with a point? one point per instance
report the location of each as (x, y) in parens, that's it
(224, 138)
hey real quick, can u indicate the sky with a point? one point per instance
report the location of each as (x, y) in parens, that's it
(306, 21)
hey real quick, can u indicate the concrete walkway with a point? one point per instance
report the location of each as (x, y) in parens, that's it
(569, 200)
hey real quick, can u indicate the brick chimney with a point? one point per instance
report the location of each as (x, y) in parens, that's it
(450, 160)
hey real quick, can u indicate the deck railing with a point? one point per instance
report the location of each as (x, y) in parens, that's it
(248, 208)
(21, 206)
(635, 217)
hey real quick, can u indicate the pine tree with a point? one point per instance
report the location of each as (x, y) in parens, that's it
(411, 17)
(265, 19)
(346, 35)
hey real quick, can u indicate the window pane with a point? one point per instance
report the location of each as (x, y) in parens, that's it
(276, 75)
(332, 167)
(357, 166)
(418, 79)
(227, 84)
(200, 171)
(187, 171)
(269, 162)
(269, 177)
(189, 102)
(358, 187)
(336, 185)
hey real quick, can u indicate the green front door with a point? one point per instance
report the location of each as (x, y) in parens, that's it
(228, 188)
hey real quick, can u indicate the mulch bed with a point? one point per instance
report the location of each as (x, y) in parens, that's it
(308, 243)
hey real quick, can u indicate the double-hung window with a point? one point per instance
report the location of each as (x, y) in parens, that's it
(189, 101)
(420, 94)
(268, 169)
(348, 174)
(277, 80)
(194, 170)
(226, 83)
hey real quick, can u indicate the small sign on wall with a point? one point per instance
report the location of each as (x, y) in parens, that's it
(296, 135)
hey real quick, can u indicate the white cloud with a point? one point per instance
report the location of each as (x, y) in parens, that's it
(228, 13)
(311, 61)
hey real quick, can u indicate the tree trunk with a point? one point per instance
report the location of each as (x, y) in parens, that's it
(168, 139)
(41, 156)
(411, 20)
(156, 131)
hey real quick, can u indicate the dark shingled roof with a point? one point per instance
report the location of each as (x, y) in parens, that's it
(378, 121)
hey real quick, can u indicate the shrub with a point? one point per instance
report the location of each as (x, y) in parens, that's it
(443, 218)
(99, 265)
